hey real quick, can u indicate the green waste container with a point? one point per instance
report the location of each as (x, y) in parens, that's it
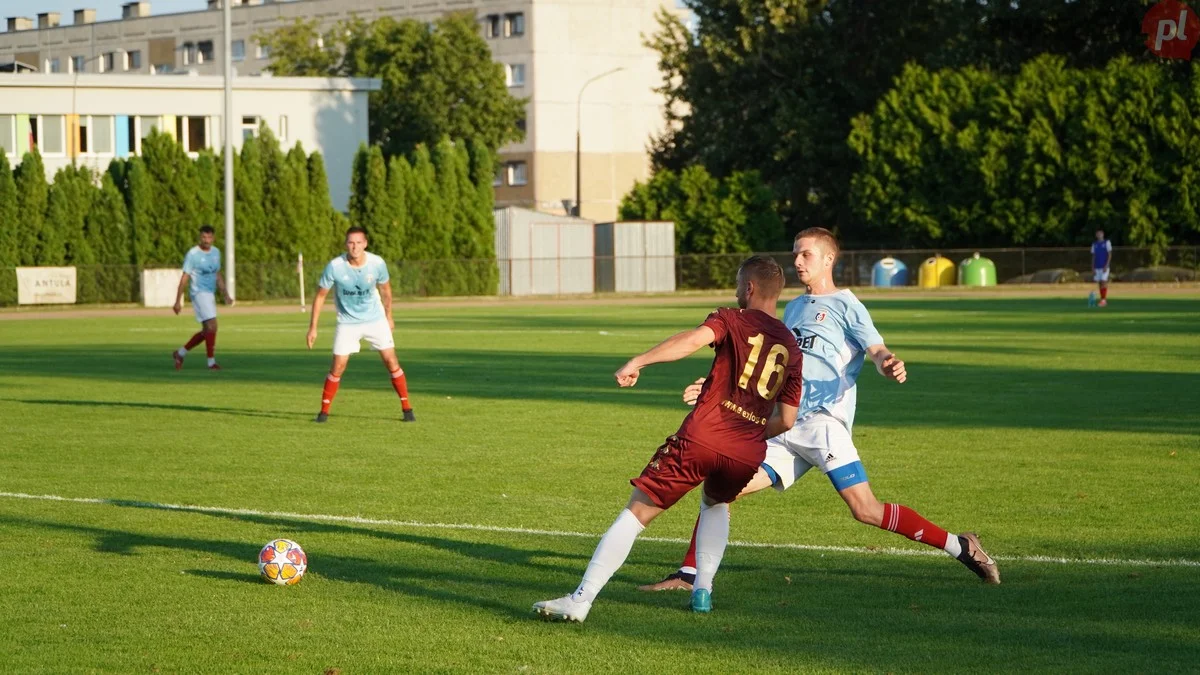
(977, 271)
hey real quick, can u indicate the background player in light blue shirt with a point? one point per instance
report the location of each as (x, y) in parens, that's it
(202, 270)
(1101, 261)
(363, 295)
(836, 335)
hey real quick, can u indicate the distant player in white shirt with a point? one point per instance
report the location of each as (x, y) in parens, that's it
(364, 312)
(836, 334)
(202, 268)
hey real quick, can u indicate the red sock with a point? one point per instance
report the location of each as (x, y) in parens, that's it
(195, 340)
(689, 560)
(905, 521)
(1104, 292)
(210, 342)
(331, 387)
(400, 384)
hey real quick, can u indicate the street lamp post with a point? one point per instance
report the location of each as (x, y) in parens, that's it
(230, 270)
(578, 211)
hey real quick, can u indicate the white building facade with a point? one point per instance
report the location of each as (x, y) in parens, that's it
(91, 119)
(550, 51)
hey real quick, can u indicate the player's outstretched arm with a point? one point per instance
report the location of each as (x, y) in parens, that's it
(886, 363)
(318, 303)
(678, 346)
(782, 419)
(183, 282)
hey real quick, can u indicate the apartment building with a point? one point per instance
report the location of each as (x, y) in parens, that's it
(89, 120)
(581, 64)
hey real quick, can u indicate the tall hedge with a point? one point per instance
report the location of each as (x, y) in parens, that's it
(10, 237)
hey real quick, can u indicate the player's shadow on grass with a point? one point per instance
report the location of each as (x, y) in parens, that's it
(174, 407)
(1072, 618)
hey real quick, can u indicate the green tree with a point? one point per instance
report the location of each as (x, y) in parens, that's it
(175, 209)
(210, 211)
(369, 200)
(107, 234)
(10, 254)
(307, 236)
(32, 192)
(139, 195)
(437, 81)
(326, 221)
(67, 204)
(398, 175)
(283, 210)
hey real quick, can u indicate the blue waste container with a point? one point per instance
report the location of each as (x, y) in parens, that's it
(889, 272)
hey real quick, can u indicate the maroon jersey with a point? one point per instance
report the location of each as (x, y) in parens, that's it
(757, 362)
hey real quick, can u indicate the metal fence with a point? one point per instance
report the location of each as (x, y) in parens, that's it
(279, 281)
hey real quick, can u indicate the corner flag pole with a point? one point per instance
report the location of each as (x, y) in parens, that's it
(227, 134)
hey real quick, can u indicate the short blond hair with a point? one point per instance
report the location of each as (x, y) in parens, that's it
(825, 236)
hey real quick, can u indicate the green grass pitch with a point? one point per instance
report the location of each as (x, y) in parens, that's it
(1068, 437)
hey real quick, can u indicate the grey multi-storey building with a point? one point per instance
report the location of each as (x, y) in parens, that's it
(552, 51)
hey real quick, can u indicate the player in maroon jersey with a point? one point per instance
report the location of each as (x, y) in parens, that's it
(752, 393)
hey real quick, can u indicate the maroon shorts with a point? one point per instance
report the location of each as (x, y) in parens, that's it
(678, 466)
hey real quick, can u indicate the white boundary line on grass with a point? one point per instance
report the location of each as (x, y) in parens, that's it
(358, 520)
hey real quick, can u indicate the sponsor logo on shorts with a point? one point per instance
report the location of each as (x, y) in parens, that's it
(829, 457)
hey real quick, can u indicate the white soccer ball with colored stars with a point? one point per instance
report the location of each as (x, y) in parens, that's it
(282, 562)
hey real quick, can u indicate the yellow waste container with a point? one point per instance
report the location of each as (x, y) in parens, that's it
(936, 271)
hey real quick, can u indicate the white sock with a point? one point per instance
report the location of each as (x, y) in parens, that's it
(181, 352)
(953, 547)
(610, 554)
(712, 535)
(212, 362)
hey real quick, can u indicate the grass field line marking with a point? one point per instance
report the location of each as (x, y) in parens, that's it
(359, 520)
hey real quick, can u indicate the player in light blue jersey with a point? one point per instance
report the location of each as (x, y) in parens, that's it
(836, 335)
(202, 269)
(363, 296)
(1101, 261)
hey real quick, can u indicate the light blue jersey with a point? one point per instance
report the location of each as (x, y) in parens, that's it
(356, 294)
(202, 266)
(834, 332)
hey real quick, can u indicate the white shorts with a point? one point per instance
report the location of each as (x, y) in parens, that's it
(205, 306)
(1101, 275)
(818, 440)
(346, 337)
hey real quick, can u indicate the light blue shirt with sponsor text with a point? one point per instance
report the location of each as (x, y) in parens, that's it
(354, 288)
(202, 266)
(834, 332)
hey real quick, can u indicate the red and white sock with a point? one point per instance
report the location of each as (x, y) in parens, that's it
(191, 344)
(400, 384)
(210, 345)
(689, 559)
(1104, 292)
(331, 387)
(903, 520)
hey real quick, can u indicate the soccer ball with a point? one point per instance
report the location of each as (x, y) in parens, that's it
(282, 562)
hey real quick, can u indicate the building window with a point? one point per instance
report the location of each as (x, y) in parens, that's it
(189, 53)
(517, 173)
(264, 51)
(515, 74)
(147, 125)
(249, 127)
(238, 47)
(514, 24)
(131, 128)
(77, 64)
(49, 137)
(498, 177)
(204, 52)
(162, 68)
(133, 60)
(101, 129)
(193, 133)
(8, 135)
(492, 26)
(283, 129)
(521, 125)
(108, 62)
(82, 136)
